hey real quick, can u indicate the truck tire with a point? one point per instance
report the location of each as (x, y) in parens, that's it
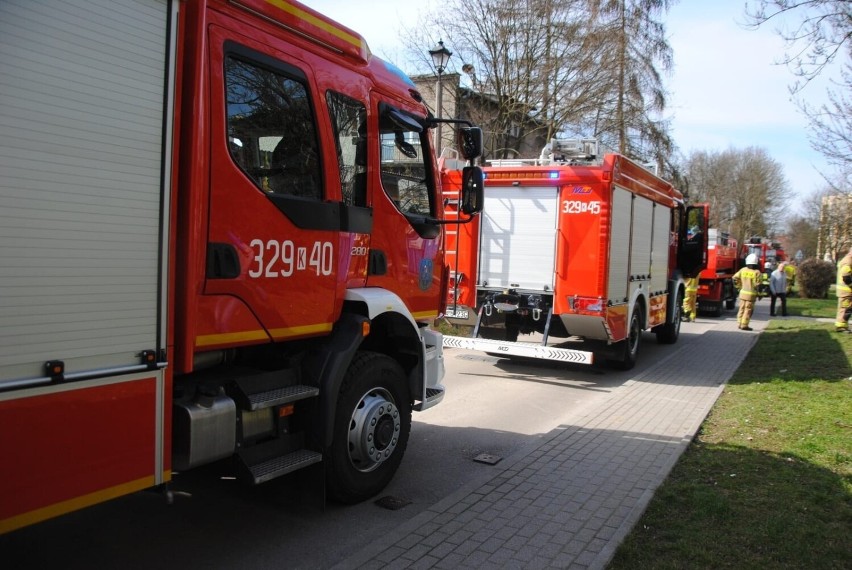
(371, 428)
(628, 349)
(670, 331)
(717, 308)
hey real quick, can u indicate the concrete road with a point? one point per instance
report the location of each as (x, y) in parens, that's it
(493, 408)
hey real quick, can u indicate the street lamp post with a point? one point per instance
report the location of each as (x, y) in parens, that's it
(440, 58)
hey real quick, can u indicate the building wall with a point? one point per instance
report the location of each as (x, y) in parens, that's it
(835, 227)
(427, 85)
(459, 102)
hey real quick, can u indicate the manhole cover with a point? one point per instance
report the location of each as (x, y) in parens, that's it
(487, 458)
(392, 503)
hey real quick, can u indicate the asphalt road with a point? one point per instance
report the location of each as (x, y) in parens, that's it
(493, 409)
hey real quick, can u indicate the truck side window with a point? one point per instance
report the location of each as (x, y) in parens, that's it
(271, 131)
(349, 121)
(404, 165)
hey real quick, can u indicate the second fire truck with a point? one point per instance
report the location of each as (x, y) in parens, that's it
(576, 246)
(716, 284)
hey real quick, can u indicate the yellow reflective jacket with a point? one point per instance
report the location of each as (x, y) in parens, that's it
(844, 269)
(747, 280)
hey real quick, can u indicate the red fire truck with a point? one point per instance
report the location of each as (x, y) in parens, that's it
(716, 284)
(576, 246)
(222, 239)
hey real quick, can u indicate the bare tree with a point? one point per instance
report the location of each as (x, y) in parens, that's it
(821, 33)
(630, 118)
(831, 123)
(531, 64)
(802, 235)
(746, 189)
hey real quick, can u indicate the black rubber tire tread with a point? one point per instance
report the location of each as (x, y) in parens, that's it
(669, 332)
(629, 354)
(717, 309)
(369, 370)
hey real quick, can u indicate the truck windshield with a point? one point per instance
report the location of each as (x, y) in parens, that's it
(404, 164)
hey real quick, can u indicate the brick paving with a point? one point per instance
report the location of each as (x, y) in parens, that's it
(568, 500)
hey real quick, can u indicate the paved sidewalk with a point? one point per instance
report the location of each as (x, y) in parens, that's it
(569, 500)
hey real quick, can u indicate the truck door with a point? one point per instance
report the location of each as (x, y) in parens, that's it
(406, 252)
(692, 255)
(274, 226)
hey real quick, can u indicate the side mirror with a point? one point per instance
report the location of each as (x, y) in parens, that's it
(403, 146)
(472, 190)
(469, 142)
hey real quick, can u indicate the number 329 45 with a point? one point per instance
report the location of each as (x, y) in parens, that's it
(580, 207)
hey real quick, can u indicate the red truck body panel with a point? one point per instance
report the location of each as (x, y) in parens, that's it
(241, 269)
(568, 250)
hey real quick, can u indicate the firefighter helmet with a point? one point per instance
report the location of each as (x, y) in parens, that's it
(751, 259)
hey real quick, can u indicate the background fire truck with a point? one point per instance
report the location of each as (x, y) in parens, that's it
(573, 246)
(222, 238)
(716, 285)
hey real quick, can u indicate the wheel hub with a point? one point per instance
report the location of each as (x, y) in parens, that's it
(374, 430)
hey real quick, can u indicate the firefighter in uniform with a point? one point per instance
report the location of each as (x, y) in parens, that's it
(844, 293)
(747, 279)
(689, 310)
(790, 270)
(763, 286)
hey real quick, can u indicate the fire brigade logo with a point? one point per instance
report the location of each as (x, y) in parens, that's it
(582, 190)
(425, 279)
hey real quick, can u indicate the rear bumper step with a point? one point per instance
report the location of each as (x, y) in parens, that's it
(526, 350)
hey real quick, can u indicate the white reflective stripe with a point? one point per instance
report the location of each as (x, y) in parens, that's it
(519, 349)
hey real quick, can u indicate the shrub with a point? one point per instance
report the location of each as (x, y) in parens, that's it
(814, 277)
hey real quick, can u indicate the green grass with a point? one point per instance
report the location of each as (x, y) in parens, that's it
(767, 482)
(813, 307)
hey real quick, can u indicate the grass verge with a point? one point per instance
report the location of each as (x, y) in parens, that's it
(767, 482)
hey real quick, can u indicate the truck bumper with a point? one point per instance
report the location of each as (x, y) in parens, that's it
(525, 350)
(433, 369)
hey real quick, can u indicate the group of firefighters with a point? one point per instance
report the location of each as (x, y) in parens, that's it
(753, 284)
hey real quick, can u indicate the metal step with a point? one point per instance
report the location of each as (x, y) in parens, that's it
(259, 390)
(274, 458)
(279, 396)
(433, 396)
(278, 466)
(525, 350)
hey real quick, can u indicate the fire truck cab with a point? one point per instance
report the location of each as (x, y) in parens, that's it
(223, 240)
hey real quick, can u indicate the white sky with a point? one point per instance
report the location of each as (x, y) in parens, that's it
(727, 91)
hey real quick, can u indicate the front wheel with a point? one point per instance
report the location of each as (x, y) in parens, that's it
(371, 428)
